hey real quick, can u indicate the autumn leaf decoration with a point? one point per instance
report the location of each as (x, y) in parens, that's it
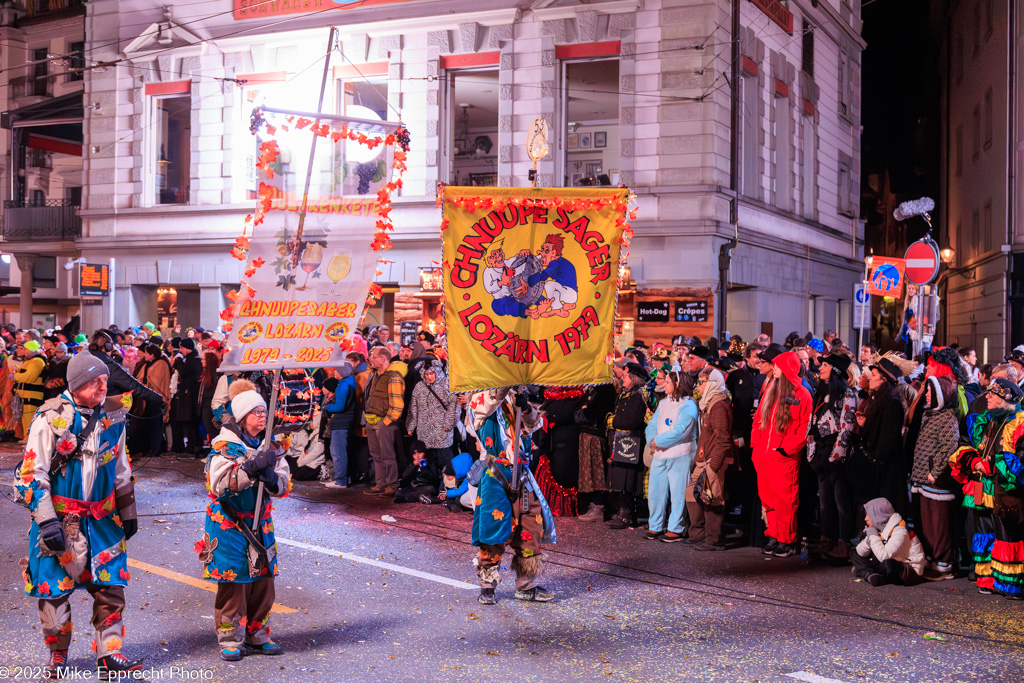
(269, 152)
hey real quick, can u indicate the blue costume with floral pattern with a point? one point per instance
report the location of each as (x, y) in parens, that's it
(87, 485)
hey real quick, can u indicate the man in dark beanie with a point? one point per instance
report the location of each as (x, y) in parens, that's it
(77, 482)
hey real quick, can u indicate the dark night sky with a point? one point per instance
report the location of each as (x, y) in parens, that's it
(900, 92)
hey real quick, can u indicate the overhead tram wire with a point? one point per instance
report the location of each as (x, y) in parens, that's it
(187, 23)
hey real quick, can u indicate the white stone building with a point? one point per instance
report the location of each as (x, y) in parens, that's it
(980, 200)
(634, 90)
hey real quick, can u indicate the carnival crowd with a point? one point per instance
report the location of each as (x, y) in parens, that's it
(906, 469)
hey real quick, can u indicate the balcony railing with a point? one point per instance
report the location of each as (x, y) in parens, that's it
(32, 86)
(52, 221)
(43, 8)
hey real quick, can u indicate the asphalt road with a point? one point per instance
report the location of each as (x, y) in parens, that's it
(362, 599)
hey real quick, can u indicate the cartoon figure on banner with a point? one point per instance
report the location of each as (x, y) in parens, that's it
(558, 276)
(501, 277)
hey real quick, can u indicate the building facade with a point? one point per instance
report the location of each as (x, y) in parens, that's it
(41, 86)
(983, 127)
(637, 92)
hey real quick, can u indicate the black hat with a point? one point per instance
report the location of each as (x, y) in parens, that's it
(175, 342)
(702, 352)
(188, 343)
(773, 351)
(889, 370)
(331, 384)
(639, 343)
(724, 363)
(683, 340)
(839, 361)
(426, 336)
(1006, 390)
(418, 446)
(1017, 356)
(637, 370)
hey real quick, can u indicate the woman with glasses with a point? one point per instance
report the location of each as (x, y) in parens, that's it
(239, 468)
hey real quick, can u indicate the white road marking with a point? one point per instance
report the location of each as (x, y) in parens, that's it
(377, 563)
(812, 678)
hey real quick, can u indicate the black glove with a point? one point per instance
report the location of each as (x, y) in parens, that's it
(523, 400)
(51, 535)
(782, 452)
(260, 461)
(129, 527)
(269, 477)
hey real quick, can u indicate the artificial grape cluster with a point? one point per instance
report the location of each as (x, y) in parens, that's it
(365, 172)
(402, 136)
(256, 120)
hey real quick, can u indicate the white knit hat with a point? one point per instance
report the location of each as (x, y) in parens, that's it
(244, 399)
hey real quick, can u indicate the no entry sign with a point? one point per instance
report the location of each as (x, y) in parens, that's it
(922, 262)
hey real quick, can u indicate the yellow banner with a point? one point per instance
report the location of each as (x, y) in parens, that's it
(530, 284)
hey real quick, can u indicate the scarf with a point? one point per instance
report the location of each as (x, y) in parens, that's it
(715, 387)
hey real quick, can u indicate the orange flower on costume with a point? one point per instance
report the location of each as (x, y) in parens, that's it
(498, 515)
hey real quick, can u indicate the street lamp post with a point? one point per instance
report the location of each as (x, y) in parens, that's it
(867, 303)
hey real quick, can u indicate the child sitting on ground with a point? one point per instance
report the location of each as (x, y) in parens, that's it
(419, 481)
(455, 478)
(889, 553)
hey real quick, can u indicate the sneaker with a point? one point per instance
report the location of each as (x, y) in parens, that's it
(692, 541)
(709, 547)
(335, 485)
(486, 596)
(594, 513)
(671, 537)
(536, 594)
(388, 492)
(231, 654)
(58, 661)
(935, 574)
(784, 550)
(653, 535)
(113, 666)
(269, 648)
(876, 580)
(373, 491)
(986, 591)
(770, 546)
(1014, 596)
(426, 500)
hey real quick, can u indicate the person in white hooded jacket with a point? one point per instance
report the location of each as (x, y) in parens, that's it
(889, 553)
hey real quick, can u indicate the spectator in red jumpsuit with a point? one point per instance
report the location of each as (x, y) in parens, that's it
(778, 440)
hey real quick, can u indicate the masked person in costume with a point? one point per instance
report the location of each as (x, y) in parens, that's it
(993, 483)
(77, 482)
(243, 562)
(502, 517)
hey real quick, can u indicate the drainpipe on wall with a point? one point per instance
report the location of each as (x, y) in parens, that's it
(725, 251)
(1011, 130)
